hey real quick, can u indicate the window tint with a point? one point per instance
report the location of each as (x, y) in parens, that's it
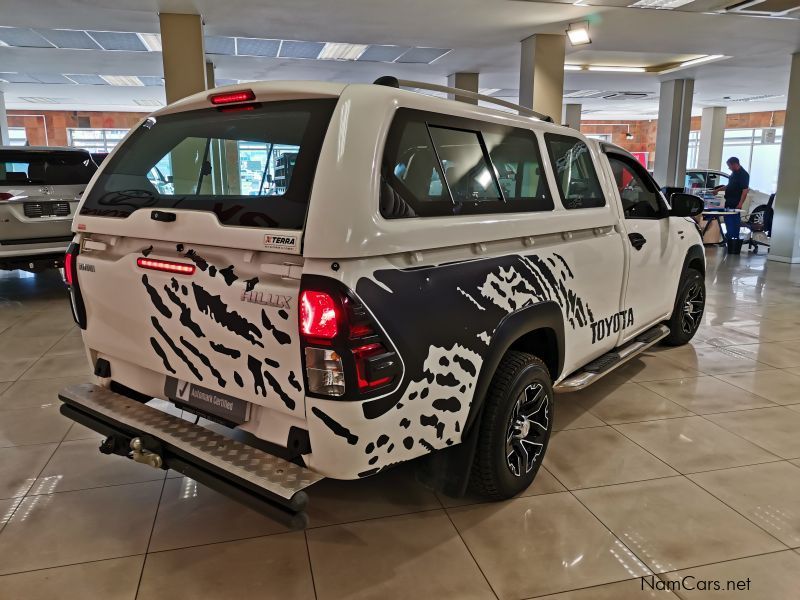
(715, 179)
(640, 200)
(437, 165)
(695, 180)
(21, 167)
(252, 168)
(515, 156)
(466, 171)
(575, 173)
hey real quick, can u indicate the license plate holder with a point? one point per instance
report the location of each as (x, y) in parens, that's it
(234, 410)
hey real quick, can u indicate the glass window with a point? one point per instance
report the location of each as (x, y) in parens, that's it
(640, 199)
(54, 167)
(716, 179)
(17, 136)
(438, 165)
(695, 181)
(95, 140)
(466, 171)
(693, 150)
(515, 156)
(575, 173)
(251, 167)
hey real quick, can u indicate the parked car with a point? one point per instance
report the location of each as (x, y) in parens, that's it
(432, 274)
(703, 181)
(39, 192)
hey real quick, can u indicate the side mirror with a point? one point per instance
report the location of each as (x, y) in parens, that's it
(685, 205)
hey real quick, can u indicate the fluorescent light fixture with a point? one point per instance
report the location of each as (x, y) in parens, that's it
(659, 4)
(488, 91)
(617, 69)
(701, 60)
(122, 80)
(151, 40)
(573, 68)
(578, 34)
(341, 51)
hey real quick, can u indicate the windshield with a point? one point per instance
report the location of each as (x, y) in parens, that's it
(21, 167)
(252, 165)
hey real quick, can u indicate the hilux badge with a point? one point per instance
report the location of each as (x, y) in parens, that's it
(267, 299)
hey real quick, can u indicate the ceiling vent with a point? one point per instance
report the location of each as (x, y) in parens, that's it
(584, 94)
(769, 8)
(148, 102)
(45, 100)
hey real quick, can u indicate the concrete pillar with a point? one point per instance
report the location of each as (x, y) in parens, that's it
(3, 121)
(183, 55)
(541, 73)
(672, 135)
(210, 79)
(572, 116)
(463, 81)
(712, 135)
(785, 243)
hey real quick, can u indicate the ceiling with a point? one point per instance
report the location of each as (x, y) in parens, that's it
(437, 38)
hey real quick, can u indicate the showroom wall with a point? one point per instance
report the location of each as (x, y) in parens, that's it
(644, 132)
(50, 127)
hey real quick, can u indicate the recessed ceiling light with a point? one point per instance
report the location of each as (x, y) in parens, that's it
(578, 34)
(617, 69)
(700, 60)
(341, 51)
(660, 4)
(573, 68)
(123, 80)
(151, 40)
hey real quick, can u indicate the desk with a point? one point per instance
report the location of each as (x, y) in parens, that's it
(715, 216)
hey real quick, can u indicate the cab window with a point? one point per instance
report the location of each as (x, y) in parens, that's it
(640, 199)
(576, 176)
(440, 165)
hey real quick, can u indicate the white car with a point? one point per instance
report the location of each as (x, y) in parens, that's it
(424, 277)
(703, 181)
(39, 192)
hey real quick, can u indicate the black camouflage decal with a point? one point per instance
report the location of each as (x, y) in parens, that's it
(160, 351)
(186, 313)
(156, 299)
(228, 275)
(146, 252)
(294, 383)
(232, 352)
(280, 336)
(178, 352)
(213, 306)
(203, 359)
(335, 427)
(201, 262)
(258, 379)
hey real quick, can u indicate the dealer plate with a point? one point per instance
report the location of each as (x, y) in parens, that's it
(215, 403)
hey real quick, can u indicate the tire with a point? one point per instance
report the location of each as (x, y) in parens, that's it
(683, 323)
(518, 406)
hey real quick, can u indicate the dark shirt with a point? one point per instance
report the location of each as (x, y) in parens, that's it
(737, 182)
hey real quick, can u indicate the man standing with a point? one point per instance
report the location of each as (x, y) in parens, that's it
(735, 195)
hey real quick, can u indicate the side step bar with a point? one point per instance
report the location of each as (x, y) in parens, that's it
(269, 484)
(608, 362)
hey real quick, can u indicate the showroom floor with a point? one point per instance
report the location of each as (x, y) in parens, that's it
(686, 461)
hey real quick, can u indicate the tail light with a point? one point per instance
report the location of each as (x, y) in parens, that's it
(232, 97)
(346, 354)
(71, 278)
(165, 265)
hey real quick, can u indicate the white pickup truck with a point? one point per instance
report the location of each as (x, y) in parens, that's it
(339, 278)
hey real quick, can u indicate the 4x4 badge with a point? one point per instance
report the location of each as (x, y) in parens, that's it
(267, 299)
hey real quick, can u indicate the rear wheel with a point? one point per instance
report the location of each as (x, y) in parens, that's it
(515, 427)
(688, 312)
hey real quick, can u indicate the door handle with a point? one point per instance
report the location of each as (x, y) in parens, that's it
(637, 240)
(165, 217)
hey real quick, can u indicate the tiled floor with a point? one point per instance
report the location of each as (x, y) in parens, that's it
(684, 462)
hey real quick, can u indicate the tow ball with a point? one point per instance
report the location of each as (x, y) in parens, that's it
(144, 456)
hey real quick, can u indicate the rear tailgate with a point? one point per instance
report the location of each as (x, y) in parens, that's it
(190, 258)
(230, 326)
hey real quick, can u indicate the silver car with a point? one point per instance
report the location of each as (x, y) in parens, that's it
(39, 192)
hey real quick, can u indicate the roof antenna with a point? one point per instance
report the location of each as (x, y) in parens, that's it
(388, 81)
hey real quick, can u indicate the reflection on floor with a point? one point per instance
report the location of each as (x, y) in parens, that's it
(686, 461)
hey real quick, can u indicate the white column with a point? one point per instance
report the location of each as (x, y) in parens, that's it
(572, 116)
(463, 81)
(3, 121)
(210, 79)
(183, 55)
(712, 136)
(785, 243)
(672, 134)
(541, 73)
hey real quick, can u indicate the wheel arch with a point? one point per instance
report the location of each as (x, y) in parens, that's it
(537, 329)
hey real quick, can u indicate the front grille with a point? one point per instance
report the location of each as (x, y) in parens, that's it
(34, 210)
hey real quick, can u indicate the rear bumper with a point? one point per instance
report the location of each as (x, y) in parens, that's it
(266, 483)
(36, 253)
